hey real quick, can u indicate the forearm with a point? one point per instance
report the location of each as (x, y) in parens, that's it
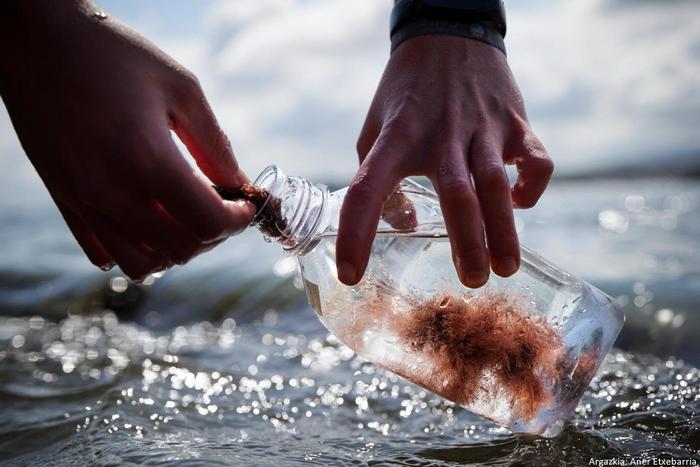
(30, 26)
(16, 15)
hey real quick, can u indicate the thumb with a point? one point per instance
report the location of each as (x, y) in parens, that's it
(195, 124)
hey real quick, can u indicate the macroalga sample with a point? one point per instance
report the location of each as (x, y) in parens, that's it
(472, 336)
(488, 350)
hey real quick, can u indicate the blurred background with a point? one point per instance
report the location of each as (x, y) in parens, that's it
(611, 88)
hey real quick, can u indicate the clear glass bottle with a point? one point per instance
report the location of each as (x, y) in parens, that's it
(519, 351)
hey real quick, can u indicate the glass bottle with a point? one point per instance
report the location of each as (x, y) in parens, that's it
(519, 351)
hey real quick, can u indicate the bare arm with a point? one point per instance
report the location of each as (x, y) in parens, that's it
(93, 104)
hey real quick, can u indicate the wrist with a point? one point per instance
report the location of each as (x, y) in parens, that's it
(482, 31)
(481, 20)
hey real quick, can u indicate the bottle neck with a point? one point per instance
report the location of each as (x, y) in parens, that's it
(295, 213)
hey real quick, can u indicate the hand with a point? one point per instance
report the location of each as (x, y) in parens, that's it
(93, 105)
(447, 108)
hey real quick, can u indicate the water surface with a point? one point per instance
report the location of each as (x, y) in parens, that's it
(223, 362)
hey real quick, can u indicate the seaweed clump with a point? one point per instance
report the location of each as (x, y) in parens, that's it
(268, 219)
(469, 338)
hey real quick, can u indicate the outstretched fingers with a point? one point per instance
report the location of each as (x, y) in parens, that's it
(362, 206)
(493, 190)
(460, 206)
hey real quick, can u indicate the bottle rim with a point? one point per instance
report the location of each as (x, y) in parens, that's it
(270, 179)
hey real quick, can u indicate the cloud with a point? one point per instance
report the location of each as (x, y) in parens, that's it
(292, 80)
(609, 80)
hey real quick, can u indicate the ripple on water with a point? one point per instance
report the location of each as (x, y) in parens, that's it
(94, 389)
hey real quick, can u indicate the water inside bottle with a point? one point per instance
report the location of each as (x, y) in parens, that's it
(500, 352)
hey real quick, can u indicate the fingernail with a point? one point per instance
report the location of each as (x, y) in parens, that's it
(472, 279)
(509, 265)
(347, 273)
(475, 279)
(107, 267)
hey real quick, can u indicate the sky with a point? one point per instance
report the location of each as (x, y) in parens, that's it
(606, 82)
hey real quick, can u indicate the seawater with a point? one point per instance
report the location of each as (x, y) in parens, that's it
(223, 361)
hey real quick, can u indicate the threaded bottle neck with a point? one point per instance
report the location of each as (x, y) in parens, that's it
(294, 212)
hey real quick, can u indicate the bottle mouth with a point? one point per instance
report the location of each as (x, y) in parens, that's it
(271, 179)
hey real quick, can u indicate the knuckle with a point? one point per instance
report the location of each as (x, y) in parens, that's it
(496, 104)
(491, 175)
(455, 187)
(221, 149)
(478, 116)
(190, 82)
(547, 167)
(362, 187)
(533, 146)
(451, 165)
(407, 101)
(540, 166)
(454, 136)
(187, 88)
(519, 129)
(406, 126)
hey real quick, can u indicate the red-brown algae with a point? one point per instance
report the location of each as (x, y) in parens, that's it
(255, 195)
(468, 337)
(268, 217)
(398, 211)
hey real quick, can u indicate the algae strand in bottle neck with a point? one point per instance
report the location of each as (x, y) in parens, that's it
(268, 217)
